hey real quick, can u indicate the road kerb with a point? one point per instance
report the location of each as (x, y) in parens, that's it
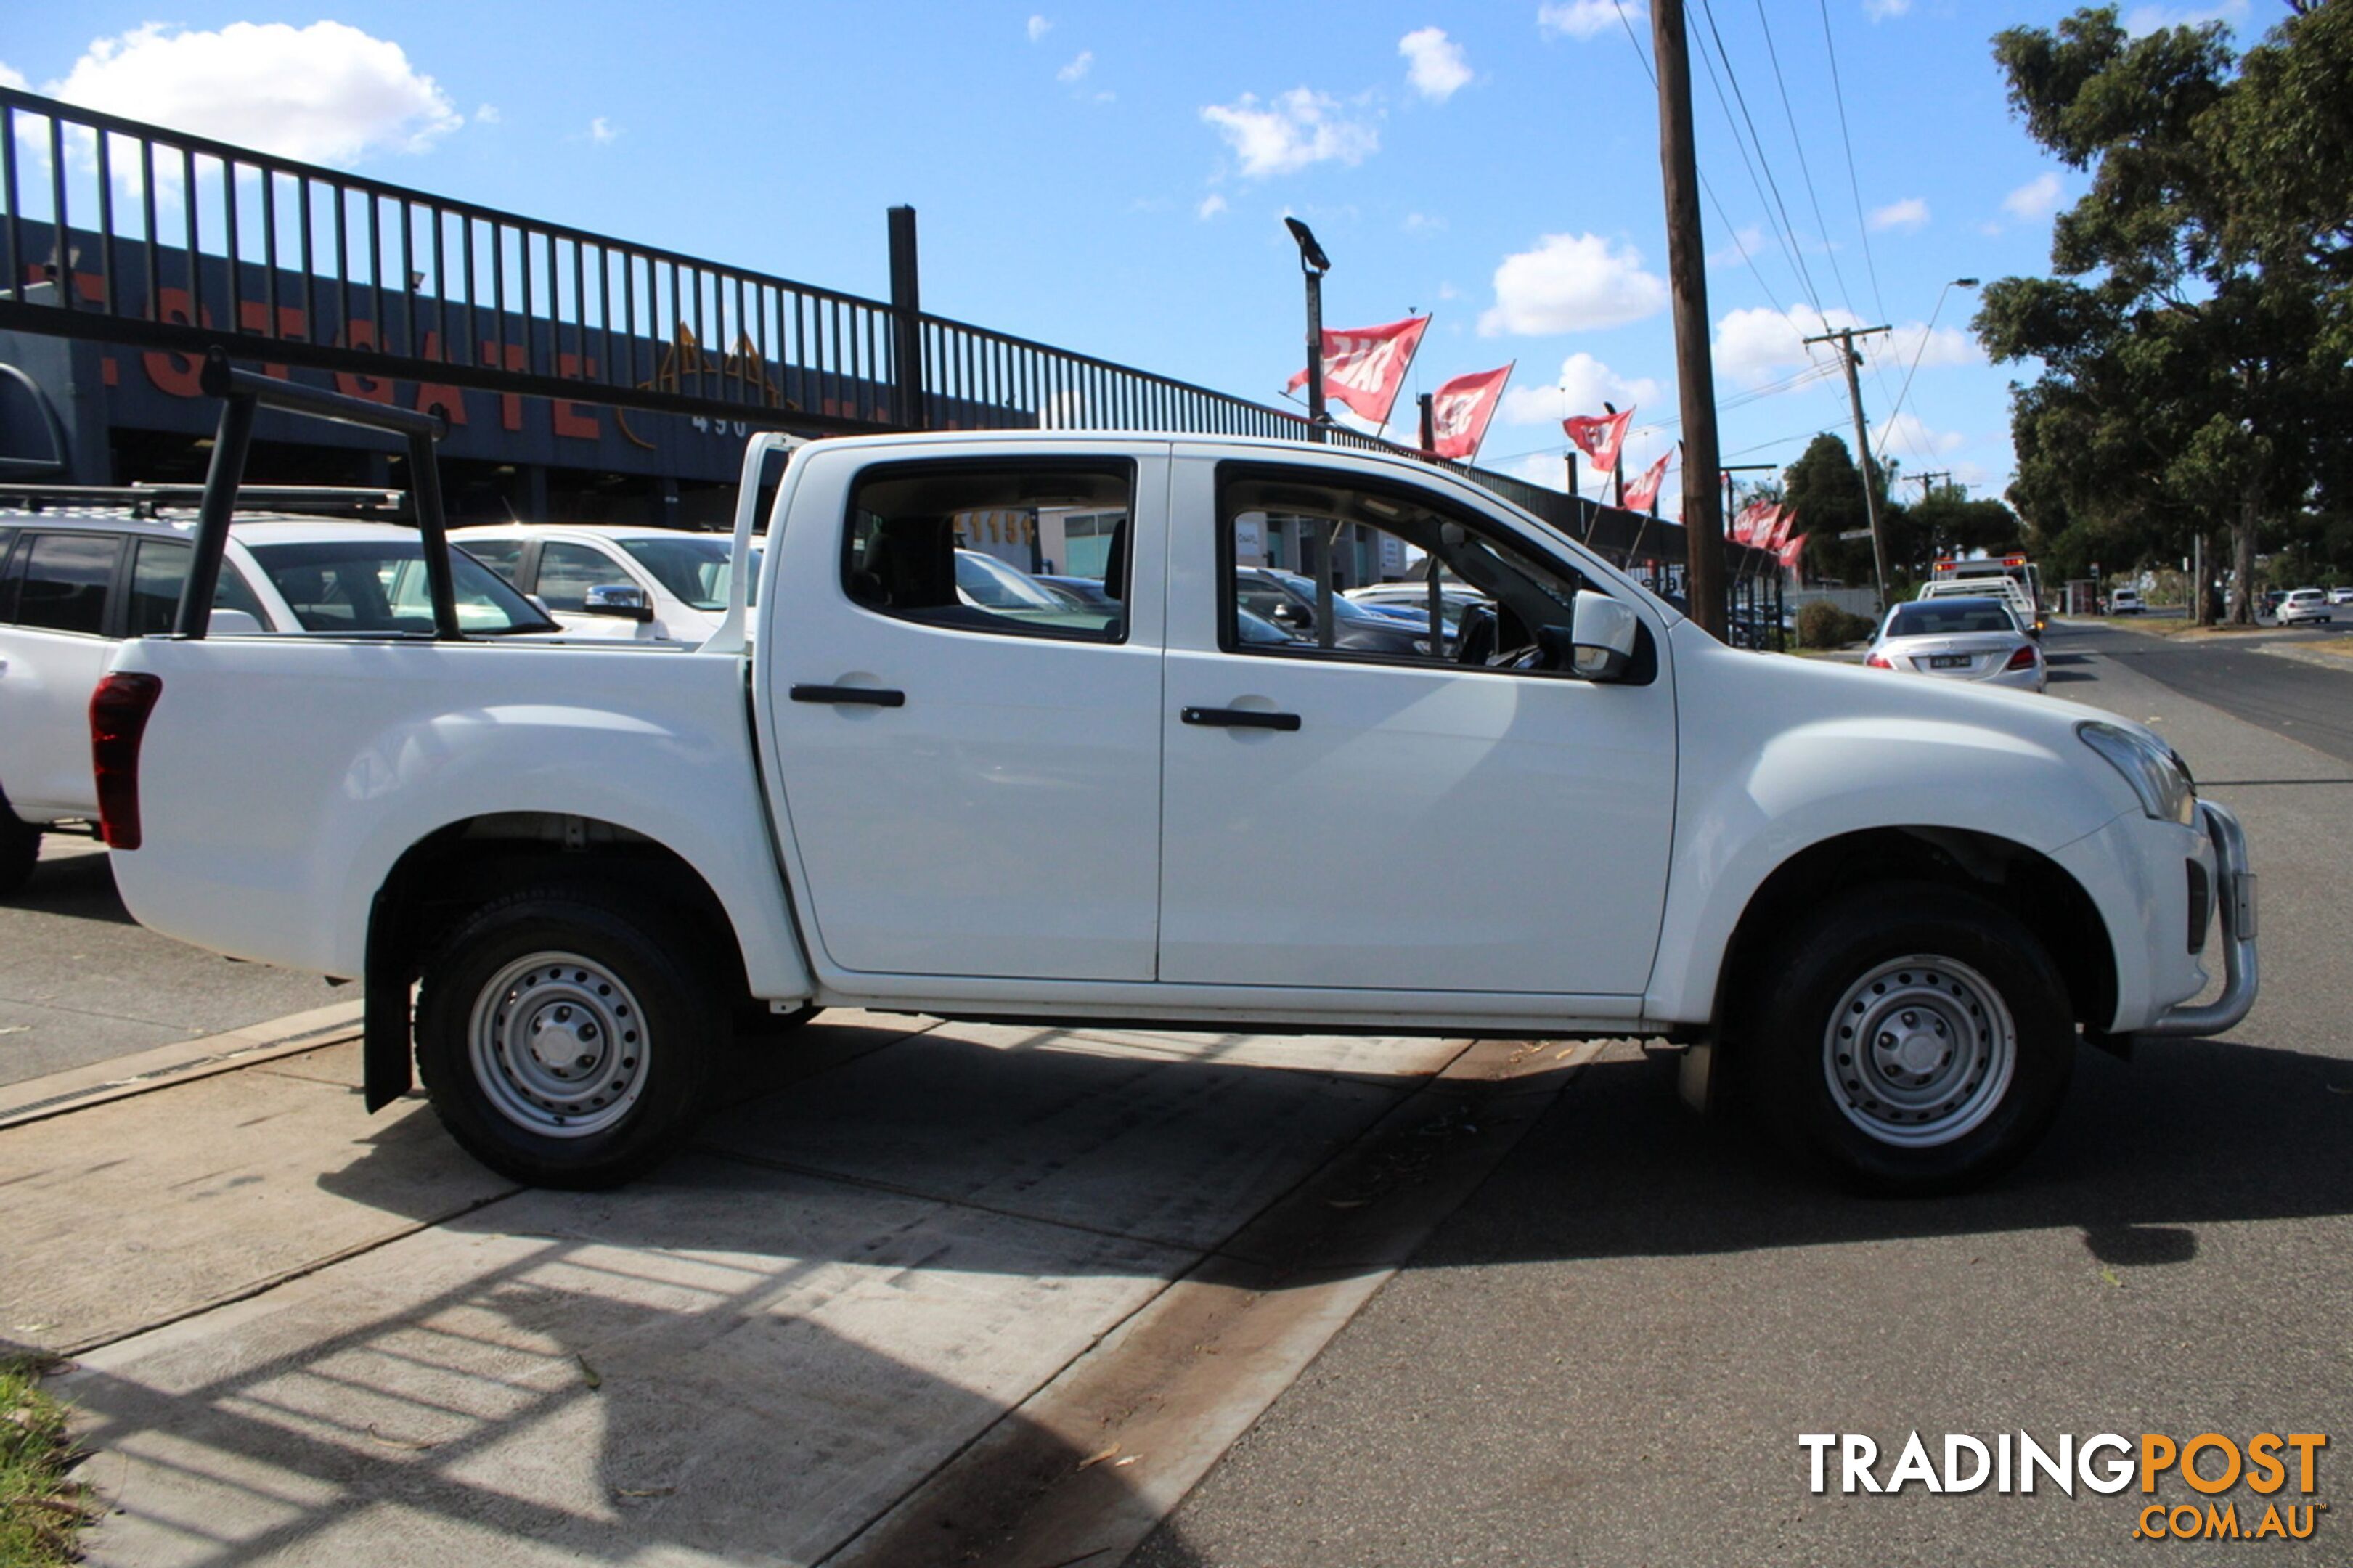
(101, 1083)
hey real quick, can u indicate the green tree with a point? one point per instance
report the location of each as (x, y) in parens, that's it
(1825, 490)
(2192, 343)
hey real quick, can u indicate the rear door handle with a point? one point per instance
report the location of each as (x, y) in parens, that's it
(1239, 718)
(868, 695)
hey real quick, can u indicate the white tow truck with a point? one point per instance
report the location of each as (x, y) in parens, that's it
(1883, 909)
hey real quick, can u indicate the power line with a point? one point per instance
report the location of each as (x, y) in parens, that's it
(1861, 224)
(1805, 169)
(1789, 230)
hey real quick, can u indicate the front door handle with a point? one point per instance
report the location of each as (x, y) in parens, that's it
(868, 695)
(1239, 718)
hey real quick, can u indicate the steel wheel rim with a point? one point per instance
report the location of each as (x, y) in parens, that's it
(559, 1045)
(1919, 1051)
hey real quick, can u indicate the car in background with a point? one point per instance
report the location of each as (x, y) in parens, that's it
(1288, 600)
(2305, 605)
(2125, 602)
(1411, 601)
(2341, 596)
(1959, 639)
(2008, 590)
(1088, 591)
(76, 583)
(627, 582)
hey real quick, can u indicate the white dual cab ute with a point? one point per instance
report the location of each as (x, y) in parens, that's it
(1881, 908)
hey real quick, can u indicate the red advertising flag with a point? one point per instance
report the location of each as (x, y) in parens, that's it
(1460, 411)
(1365, 366)
(1600, 436)
(1791, 551)
(1784, 520)
(1642, 495)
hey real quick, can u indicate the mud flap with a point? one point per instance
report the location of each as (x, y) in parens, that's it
(388, 1067)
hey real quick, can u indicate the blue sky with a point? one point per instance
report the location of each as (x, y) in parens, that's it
(1111, 178)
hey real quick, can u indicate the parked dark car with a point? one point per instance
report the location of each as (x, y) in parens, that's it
(1288, 600)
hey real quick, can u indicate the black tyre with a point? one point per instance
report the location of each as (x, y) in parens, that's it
(1914, 1038)
(567, 1041)
(20, 849)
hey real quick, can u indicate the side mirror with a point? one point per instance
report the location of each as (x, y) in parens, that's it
(1602, 637)
(227, 622)
(1287, 614)
(625, 600)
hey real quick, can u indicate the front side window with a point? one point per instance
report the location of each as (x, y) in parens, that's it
(938, 543)
(62, 583)
(693, 567)
(1496, 598)
(379, 585)
(566, 573)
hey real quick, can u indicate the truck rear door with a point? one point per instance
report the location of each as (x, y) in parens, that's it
(970, 761)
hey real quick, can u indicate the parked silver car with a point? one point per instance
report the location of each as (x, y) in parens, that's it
(1960, 639)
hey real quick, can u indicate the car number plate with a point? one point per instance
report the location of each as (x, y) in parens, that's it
(1948, 661)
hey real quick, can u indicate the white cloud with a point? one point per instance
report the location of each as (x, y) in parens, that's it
(1910, 215)
(1038, 28)
(1584, 385)
(1570, 283)
(1423, 223)
(1077, 68)
(9, 77)
(2143, 19)
(1756, 345)
(602, 130)
(1291, 132)
(1745, 243)
(1906, 436)
(1942, 346)
(1881, 10)
(1448, 291)
(2038, 197)
(326, 93)
(1583, 18)
(1211, 206)
(488, 115)
(1433, 65)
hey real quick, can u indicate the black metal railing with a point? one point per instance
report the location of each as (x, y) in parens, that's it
(125, 232)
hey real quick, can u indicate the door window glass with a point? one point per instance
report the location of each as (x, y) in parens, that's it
(951, 545)
(566, 573)
(501, 555)
(1494, 594)
(65, 579)
(157, 572)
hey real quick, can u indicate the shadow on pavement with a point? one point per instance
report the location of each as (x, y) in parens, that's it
(79, 887)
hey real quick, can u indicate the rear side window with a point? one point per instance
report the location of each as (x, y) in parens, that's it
(156, 573)
(501, 555)
(62, 584)
(955, 546)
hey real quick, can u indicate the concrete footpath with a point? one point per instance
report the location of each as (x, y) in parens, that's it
(923, 1292)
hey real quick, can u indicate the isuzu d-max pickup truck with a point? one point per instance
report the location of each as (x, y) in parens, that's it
(1883, 907)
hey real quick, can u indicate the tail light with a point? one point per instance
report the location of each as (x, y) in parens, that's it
(1877, 660)
(2022, 659)
(117, 719)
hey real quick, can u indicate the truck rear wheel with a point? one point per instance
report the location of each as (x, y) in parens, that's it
(20, 848)
(1916, 1038)
(566, 1041)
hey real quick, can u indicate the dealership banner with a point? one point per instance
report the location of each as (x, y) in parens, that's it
(1460, 412)
(1363, 367)
(1600, 436)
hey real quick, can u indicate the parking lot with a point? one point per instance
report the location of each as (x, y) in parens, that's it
(962, 1293)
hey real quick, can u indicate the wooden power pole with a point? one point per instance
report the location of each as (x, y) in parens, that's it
(1844, 337)
(1703, 587)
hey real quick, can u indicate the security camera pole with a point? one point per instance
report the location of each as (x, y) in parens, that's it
(1313, 263)
(1687, 275)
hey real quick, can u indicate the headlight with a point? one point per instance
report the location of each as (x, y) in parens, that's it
(2149, 765)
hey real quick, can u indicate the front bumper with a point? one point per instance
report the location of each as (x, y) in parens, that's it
(2234, 888)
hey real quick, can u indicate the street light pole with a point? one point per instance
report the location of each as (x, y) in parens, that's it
(1313, 265)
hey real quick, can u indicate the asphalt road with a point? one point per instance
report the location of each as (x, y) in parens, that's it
(1608, 1352)
(2246, 678)
(81, 982)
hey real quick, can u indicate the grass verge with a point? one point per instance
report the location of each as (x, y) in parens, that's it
(41, 1507)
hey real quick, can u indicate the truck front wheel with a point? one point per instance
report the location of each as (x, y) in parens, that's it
(1916, 1038)
(565, 1041)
